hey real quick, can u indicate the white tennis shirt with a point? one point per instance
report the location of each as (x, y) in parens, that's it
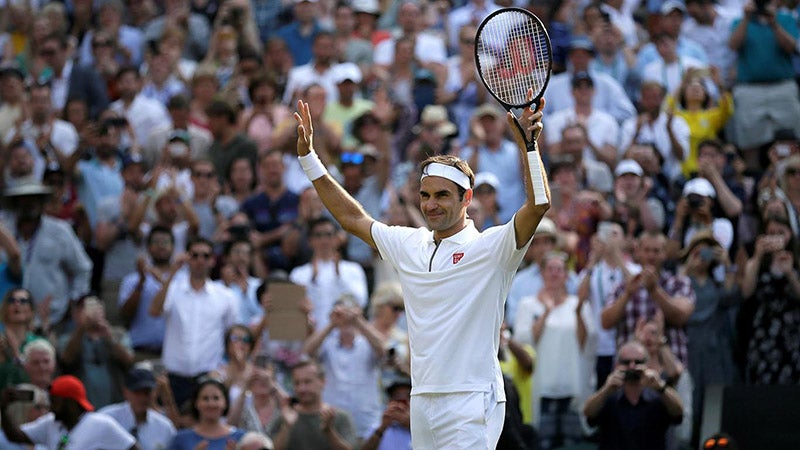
(454, 295)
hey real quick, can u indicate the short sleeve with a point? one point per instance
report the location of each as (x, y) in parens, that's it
(38, 430)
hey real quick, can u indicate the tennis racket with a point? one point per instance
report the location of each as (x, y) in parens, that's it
(513, 55)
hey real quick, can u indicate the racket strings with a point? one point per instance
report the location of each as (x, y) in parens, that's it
(513, 56)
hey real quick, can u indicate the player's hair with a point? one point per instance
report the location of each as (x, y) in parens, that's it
(450, 160)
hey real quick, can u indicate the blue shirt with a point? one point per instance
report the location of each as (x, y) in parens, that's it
(188, 439)
(98, 182)
(145, 330)
(760, 57)
(266, 214)
(299, 45)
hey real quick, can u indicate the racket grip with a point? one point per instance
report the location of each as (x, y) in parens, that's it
(537, 181)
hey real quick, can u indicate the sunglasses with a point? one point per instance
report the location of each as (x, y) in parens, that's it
(199, 255)
(20, 300)
(627, 362)
(245, 339)
(352, 158)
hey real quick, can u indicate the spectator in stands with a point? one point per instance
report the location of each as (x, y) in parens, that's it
(312, 424)
(45, 135)
(142, 113)
(228, 143)
(609, 266)
(632, 203)
(138, 290)
(12, 97)
(71, 79)
(171, 211)
(300, 35)
(255, 441)
(461, 92)
(16, 314)
(669, 67)
(151, 429)
(349, 105)
(668, 133)
(55, 265)
(240, 182)
(601, 129)
(266, 113)
(394, 430)
(128, 41)
(209, 407)
(271, 210)
(73, 413)
(716, 164)
(429, 49)
(771, 281)
(473, 11)
(39, 362)
(765, 93)
(710, 332)
(650, 290)
(321, 69)
(350, 350)
(559, 322)
(614, 58)
(258, 407)
(670, 21)
(179, 113)
(485, 191)
(495, 154)
(236, 274)
(529, 279)
(178, 14)
(95, 352)
(610, 96)
(204, 88)
(161, 82)
(194, 339)
(634, 407)
(593, 174)
(709, 28)
(236, 367)
(695, 212)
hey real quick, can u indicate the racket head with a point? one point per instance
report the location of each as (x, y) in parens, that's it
(513, 54)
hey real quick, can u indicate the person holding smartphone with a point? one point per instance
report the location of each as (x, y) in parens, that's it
(634, 407)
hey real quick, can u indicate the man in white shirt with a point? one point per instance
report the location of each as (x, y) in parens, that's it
(428, 47)
(144, 114)
(473, 12)
(72, 425)
(711, 31)
(151, 429)
(455, 280)
(322, 70)
(198, 311)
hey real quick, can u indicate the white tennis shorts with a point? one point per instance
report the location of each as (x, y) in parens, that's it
(461, 420)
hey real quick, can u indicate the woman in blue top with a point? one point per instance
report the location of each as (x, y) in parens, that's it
(209, 406)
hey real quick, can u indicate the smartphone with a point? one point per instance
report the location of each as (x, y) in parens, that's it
(21, 395)
(707, 254)
(158, 368)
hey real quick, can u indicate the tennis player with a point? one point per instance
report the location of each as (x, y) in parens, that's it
(455, 280)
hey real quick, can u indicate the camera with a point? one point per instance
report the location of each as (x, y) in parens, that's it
(694, 201)
(761, 7)
(707, 254)
(633, 375)
(20, 395)
(239, 232)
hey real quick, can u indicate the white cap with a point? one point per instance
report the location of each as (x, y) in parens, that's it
(628, 166)
(346, 71)
(699, 186)
(487, 178)
(366, 6)
(546, 226)
(671, 5)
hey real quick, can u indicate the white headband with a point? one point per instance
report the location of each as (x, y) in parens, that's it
(451, 173)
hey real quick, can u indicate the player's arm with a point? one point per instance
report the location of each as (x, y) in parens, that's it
(529, 214)
(344, 208)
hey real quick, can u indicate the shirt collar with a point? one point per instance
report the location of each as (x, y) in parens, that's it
(467, 234)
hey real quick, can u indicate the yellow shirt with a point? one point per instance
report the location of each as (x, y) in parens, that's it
(523, 381)
(703, 124)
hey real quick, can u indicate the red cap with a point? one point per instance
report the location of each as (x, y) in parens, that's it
(67, 386)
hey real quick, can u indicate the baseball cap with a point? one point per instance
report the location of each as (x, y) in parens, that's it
(346, 71)
(699, 186)
(487, 178)
(67, 386)
(671, 5)
(366, 6)
(436, 115)
(139, 378)
(628, 166)
(396, 382)
(11, 69)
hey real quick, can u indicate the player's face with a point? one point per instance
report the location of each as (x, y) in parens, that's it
(442, 207)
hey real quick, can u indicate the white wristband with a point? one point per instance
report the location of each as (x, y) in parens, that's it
(312, 166)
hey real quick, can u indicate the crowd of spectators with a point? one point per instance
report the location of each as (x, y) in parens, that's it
(161, 244)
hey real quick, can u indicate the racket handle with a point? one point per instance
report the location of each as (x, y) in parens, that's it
(535, 166)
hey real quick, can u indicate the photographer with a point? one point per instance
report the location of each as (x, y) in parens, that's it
(634, 407)
(693, 213)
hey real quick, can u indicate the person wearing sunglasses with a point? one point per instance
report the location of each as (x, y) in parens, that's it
(197, 313)
(635, 406)
(17, 314)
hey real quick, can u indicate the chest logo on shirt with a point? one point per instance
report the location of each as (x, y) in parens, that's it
(457, 257)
